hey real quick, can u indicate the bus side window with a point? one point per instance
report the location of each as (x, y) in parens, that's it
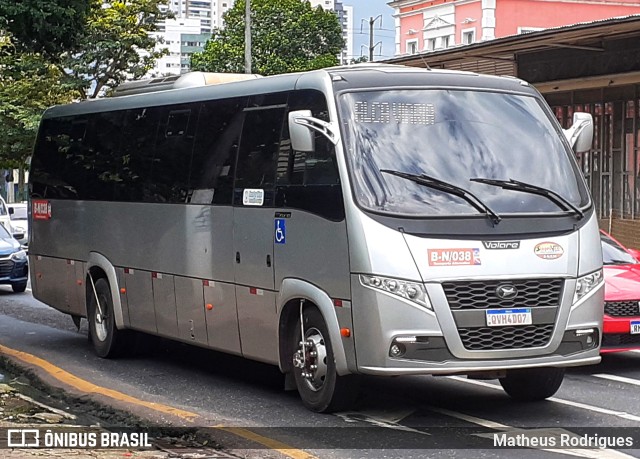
(136, 153)
(309, 180)
(318, 167)
(258, 155)
(95, 163)
(215, 151)
(172, 160)
(48, 163)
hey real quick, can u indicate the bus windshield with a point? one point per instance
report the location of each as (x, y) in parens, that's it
(472, 140)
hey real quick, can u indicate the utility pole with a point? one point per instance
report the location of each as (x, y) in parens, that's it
(247, 38)
(372, 22)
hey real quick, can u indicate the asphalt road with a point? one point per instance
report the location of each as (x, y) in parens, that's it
(408, 417)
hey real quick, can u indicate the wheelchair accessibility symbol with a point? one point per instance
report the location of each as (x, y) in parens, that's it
(280, 231)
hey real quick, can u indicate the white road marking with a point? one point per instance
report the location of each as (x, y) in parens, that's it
(596, 409)
(621, 379)
(387, 418)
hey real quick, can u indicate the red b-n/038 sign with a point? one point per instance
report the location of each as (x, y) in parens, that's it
(41, 209)
(454, 257)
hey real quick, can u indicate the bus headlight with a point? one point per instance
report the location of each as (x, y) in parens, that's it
(20, 255)
(587, 283)
(411, 291)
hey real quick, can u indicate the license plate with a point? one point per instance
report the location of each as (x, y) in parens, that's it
(508, 317)
(635, 327)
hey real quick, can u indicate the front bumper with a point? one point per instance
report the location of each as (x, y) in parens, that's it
(13, 272)
(432, 337)
(616, 335)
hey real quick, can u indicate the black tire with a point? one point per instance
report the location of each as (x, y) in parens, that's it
(532, 384)
(328, 393)
(106, 339)
(19, 288)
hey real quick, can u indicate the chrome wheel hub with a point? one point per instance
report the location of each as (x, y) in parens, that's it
(100, 324)
(311, 359)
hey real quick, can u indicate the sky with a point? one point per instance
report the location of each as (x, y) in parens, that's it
(363, 10)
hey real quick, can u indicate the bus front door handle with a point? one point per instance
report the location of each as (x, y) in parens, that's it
(269, 261)
(237, 257)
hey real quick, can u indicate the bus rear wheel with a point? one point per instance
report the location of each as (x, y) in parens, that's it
(106, 339)
(532, 384)
(320, 387)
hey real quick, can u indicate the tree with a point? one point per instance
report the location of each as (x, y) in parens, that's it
(359, 60)
(286, 36)
(118, 44)
(48, 27)
(28, 85)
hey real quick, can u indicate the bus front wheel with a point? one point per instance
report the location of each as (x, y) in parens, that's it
(320, 387)
(532, 384)
(107, 340)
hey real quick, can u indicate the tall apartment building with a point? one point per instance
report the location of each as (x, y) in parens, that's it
(345, 16)
(429, 25)
(188, 32)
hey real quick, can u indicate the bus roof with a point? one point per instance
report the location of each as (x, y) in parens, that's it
(344, 77)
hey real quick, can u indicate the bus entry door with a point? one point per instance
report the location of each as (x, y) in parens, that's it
(253, 232)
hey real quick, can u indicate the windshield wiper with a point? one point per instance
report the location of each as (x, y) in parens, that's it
(515, 185)
(432, 182)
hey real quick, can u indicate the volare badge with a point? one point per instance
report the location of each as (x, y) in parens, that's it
(548, 250)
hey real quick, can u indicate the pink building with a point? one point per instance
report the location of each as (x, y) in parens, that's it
(426, 25)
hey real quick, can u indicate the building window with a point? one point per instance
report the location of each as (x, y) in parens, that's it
(412, 46)
(468, 36)
(445, 41)
(431, 44)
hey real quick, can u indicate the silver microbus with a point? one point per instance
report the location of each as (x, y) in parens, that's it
(367, 220)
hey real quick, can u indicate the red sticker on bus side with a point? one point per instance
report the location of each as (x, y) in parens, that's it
(41, 209)
(454, 257)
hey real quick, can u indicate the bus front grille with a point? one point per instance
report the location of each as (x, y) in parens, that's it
(492, 338)
(482, 294)
(622, 308)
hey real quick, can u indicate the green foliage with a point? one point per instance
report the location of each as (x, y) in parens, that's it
(28, 85)
(48, 27)
(115, 35)
(286, 36)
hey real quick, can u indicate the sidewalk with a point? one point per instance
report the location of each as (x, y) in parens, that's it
(19, 411)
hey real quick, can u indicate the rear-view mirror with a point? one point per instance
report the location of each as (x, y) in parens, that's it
(580, 134)
(302, 137)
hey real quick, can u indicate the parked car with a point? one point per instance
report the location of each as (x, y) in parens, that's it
(14, 267)
(5, 219)
(19, 222)
(622, 296)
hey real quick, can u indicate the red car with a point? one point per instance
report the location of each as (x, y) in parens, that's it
(622, 296)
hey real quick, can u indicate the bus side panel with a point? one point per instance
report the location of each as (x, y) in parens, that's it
(123, 297)
(258, 325)
(190, 310)
(314, 249)
(140, 300)
(164, 300)
(76, 292)
(253, 242)
(222, 318)
(50, 284)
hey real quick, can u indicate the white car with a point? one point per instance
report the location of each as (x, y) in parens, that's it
(19, 222)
